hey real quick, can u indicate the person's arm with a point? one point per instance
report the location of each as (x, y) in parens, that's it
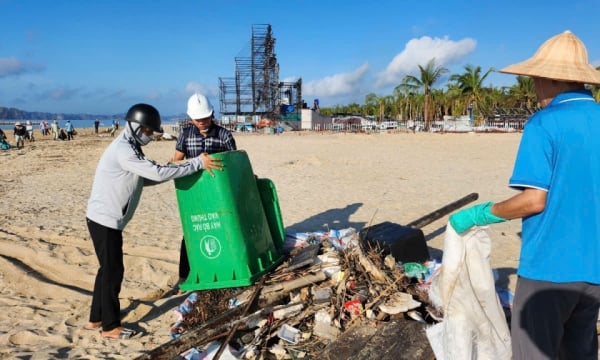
(230, 143)
(178, 156)
(156, 173)
(528, 202)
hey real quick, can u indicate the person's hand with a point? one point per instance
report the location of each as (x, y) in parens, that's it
(475, 215)
(211, 164)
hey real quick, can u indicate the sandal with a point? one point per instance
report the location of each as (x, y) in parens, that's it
(124, 334)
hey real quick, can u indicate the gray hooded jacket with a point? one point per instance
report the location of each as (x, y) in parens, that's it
(122, 172)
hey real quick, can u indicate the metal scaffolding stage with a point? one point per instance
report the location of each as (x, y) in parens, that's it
(255, 91)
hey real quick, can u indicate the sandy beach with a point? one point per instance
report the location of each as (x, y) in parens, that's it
(324, 181)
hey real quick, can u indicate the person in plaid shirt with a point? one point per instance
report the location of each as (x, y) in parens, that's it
(200, 136)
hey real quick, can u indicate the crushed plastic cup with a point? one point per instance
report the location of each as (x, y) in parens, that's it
(354, 307)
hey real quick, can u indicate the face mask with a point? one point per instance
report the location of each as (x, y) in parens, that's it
(138, 135)
(144, 139)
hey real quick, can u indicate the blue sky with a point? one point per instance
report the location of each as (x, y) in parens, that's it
(100, 57)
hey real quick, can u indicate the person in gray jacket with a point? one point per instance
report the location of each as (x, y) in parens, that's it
(122, 172)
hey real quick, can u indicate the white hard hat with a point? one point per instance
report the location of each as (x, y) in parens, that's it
(199, 107)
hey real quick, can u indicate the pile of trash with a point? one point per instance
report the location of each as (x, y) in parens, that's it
(328, 283)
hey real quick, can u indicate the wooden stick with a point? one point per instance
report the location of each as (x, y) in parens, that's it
(443, 211)
(273, 293)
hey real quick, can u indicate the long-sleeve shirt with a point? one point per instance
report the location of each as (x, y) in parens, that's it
(120, 176)
(192, 143)
(20, 130)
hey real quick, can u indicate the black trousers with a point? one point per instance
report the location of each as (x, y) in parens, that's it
(184, 262)
(108, 244)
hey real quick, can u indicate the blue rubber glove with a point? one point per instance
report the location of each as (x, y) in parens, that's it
(475, 215)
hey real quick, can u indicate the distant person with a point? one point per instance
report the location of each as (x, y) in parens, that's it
(4, 145)
(43, 127)
(113, 129)
(20, 133)
(46, 128)
(62, 135)
(55, 129)
(556, 171)
(122, 172)
(96, 126)
(70, 129)
(29, 129)
(202, 136)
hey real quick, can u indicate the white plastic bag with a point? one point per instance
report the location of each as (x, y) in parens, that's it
(474, 325)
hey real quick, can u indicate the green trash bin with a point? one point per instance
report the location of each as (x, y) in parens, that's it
(270, 202)
(228, 237)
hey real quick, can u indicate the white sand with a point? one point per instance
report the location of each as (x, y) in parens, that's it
(47, 262)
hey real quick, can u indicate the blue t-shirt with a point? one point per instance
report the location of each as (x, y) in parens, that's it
(560, 153)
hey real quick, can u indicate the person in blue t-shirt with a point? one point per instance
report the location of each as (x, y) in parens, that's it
(70, 129)
(557, 171)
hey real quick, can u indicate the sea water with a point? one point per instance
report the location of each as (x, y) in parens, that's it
(78, 124)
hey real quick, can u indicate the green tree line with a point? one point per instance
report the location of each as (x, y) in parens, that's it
(417, 98)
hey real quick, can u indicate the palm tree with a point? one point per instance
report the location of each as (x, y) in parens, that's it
(401, 96)
(386, 104)
(523, 93)
(430, 74)
(471, 84)
(371, 103)
(455, 104)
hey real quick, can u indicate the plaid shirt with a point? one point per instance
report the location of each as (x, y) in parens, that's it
(192, 143)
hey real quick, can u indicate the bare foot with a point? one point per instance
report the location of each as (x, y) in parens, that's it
(93, 325)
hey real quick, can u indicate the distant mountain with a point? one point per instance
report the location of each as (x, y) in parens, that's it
(17, 114)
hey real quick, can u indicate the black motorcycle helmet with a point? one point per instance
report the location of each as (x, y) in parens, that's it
(145, 115)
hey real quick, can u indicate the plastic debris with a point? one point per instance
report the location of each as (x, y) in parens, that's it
(181, 313)
(289, 334)
(399, 302)
(505, 296)
(354, 307)
(323, 327)
(412, 269)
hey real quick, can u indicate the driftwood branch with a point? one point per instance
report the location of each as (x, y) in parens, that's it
(273, 293)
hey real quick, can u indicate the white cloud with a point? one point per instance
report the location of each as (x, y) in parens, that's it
(419, 52)
(13, 66)
(193, 87)
(60, 93)
(338, 84)
(10, 66)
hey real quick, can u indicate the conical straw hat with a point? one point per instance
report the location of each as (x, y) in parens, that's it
(562, 57)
